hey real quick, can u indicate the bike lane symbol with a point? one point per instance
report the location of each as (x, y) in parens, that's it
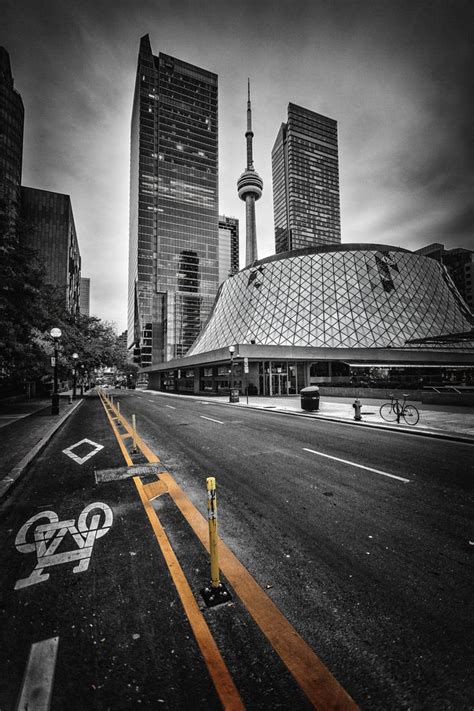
(49, 536)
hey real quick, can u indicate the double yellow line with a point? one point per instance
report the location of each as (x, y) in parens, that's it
(322, 690)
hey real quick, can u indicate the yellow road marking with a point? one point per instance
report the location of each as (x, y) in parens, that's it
(155, 489)
(311, 674)
(223, 682)
(317, 682)
(122, 446)
(225, 687)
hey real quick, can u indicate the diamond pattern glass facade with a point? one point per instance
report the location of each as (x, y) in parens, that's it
(351, 296)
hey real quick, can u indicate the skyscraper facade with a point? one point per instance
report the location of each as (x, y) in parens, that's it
(305, 176)
(173, 245)
(12, 118)
(52, 234)
(228, 247)
(460, 265)
(84, 297)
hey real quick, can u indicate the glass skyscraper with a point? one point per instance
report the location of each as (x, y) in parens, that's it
(173, 247)
(52, 234)
(11, 137)
(228, 247)
(306, 181)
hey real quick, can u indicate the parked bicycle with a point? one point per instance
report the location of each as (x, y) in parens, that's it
(393, 410)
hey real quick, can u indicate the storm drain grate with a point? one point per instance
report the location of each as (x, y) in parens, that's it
(143, 470)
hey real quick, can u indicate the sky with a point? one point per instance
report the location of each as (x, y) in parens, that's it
(395, 74)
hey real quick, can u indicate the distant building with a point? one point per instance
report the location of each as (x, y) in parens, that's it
(52, 234)
(306, 182)
(84, 297)
(173, 244)
(460, 265)
(228, 247)
(11, 136)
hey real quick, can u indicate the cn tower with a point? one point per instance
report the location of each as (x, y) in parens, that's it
(250, 186)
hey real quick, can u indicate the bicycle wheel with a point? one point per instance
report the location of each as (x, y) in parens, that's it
(388, 412)
(410, 415)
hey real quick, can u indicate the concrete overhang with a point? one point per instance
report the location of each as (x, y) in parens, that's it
(371, 357)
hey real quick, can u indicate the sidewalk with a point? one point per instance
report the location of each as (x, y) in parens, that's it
(450, 421)
(25, 428)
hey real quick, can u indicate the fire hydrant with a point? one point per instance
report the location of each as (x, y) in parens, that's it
(357, 408)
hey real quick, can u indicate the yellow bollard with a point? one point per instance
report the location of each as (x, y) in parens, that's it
(212, 519)
(217, 593)
(118, 407)
(134, 433)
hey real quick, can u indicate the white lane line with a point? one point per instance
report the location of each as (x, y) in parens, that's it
(150, 399)
(39, 675)
(359, 466)
(170, 407)
(211, 419)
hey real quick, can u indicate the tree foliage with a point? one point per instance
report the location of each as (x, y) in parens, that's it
(29, 308)
(21, 281)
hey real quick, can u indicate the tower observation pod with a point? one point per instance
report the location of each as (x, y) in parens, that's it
(250, 186)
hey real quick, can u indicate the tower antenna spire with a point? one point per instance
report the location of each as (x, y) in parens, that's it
(250, 186)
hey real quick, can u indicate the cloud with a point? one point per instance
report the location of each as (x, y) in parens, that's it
(395, 74)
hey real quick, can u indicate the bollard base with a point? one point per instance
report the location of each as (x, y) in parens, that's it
(216, 596)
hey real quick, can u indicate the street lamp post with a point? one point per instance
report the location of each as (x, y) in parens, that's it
(82, 379)
(74, 375)
(55, 334)
(231, 353)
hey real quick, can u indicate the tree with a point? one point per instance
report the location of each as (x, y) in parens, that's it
(21, 282)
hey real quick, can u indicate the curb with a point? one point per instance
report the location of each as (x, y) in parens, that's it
(388, 428)
(18, 470)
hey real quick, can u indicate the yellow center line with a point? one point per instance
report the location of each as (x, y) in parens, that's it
(122, 446)
(320, 686)
(313, 677)
(225, 687)
(223, 682)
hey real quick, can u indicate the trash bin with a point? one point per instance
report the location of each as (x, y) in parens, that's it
(234, 395)
(310, 398)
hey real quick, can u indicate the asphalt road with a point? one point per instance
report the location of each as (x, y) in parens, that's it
(375, 572)
(361, 538)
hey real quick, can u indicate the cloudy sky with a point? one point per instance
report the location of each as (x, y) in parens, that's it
(395, 74)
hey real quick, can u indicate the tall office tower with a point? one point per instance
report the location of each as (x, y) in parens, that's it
(306, 181)
(459, 263)
(173, 246)
(228, 247)
(11, 137)
(52, 234)
(250, 186)
(84, 297)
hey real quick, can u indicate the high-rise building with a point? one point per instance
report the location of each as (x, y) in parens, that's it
(228, 247)
(459, 263)
(49, 224)
(306, 181)
(11, 137)
(173, 245)
(249, 187)
(84, 297)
